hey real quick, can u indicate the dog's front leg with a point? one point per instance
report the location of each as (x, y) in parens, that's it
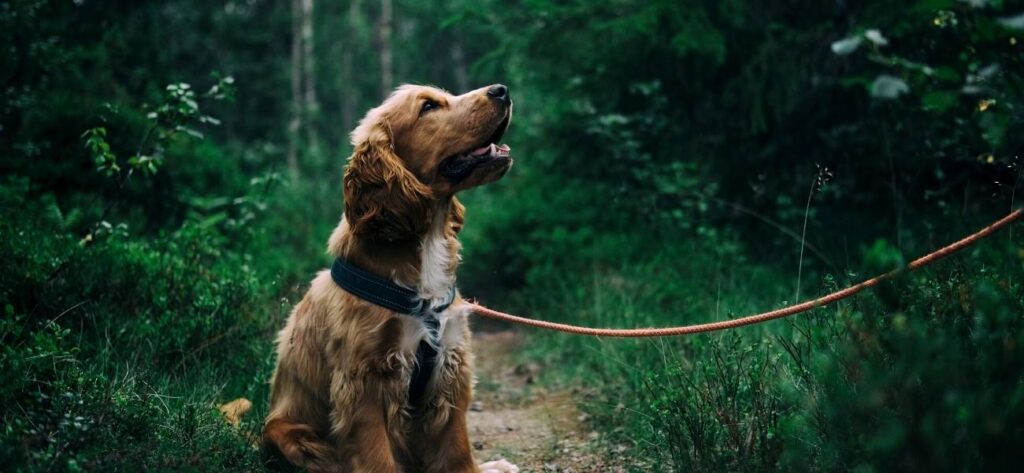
(369, 444)
(368, 417)
(367, 424)
(452, 451)
(444, 423)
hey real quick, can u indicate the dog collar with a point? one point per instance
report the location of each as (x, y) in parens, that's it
(389, 295)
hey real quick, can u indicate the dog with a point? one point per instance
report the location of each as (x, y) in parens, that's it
(374, 369)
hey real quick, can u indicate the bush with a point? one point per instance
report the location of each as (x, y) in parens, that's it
(114, 346)
(932, 382)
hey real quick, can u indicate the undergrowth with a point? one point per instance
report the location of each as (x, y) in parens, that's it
(923, 373)
(116, 351)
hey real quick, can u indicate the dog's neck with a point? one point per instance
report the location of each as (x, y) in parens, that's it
(425, 262)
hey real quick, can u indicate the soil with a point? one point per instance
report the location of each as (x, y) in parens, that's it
(537, 429)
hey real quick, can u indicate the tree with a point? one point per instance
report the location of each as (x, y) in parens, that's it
(384, 48)
(310, 105)
(349, 90)
(295, 121)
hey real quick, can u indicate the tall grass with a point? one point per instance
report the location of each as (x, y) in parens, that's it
(923, 373)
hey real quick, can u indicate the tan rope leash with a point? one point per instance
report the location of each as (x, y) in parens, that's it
(762, 317)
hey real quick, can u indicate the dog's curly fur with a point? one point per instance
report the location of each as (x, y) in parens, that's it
(339, 395)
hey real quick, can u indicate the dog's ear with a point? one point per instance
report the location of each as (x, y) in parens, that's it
(383, 199)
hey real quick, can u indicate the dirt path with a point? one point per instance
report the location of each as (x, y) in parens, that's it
(512, 418)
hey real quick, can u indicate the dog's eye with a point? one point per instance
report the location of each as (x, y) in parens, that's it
(428, 106)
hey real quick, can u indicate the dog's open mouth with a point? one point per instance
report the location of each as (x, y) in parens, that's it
(457, 167)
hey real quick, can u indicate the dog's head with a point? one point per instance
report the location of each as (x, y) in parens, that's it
(421, 146)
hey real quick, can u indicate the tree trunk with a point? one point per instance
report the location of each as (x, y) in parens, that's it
(310, 105)
(349, 89)
(295, 121)
(384, 43)
(459, 60)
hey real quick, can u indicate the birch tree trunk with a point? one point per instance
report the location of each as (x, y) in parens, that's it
(459, 60)
(295, 121)
(384, 45)
(310, 106)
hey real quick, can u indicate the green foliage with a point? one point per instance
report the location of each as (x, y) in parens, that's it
(719, 412)
(663, 155)
(666, 126)
(71, 417)
(934, 385)
(99, 148)
(100, 333)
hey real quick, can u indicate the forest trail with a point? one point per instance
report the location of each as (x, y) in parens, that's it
(537, 429)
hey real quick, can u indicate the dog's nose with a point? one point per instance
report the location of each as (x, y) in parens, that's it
(499, 92)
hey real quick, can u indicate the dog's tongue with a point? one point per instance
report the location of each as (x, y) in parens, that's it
(493, 149)
(481, 150)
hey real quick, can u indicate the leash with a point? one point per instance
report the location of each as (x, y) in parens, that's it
(764, 316)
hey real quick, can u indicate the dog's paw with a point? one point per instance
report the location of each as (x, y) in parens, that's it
(498, 466)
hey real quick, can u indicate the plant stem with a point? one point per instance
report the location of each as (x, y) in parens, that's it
(803, 239)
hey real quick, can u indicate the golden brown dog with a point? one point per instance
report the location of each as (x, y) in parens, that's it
(340, 393)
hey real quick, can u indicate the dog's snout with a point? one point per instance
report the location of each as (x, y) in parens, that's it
(499, 92)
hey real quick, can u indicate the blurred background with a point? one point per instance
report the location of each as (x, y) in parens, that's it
(171, 172)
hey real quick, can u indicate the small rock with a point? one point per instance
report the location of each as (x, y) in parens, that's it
(551, 466)
(478, 445)
(476, 406)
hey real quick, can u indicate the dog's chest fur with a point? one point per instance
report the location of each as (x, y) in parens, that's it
(437, 258)
(438, 254)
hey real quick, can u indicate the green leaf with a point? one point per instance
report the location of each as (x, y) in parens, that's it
(938, 101)
(995, 125)
(847, 45)
(886, 86)
(1015, 22)
(947, 74)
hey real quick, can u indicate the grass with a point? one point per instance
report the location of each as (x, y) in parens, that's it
(905, 377)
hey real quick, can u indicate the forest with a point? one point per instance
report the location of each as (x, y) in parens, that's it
(170, 173)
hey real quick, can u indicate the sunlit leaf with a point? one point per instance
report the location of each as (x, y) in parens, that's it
(847, 45)
(1015, 22)
(876, 37)
(888, 87)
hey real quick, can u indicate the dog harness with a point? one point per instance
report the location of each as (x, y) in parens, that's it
(371, 288)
